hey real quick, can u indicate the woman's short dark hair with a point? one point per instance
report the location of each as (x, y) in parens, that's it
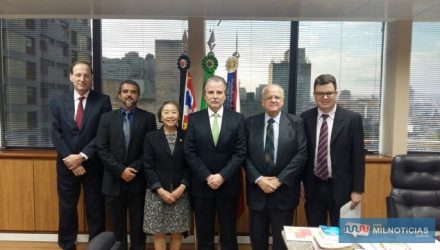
(159, 112)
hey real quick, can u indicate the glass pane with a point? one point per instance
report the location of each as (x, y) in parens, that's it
(145, 51)
(264, 56)
(352, 52)
(424, 115)
(37, 54)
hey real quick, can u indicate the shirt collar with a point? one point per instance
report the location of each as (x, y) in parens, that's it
(219, 112)
(276, 118)
(331, 114)
(122, 110)
(76, 95)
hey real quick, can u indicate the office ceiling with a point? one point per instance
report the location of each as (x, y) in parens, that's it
(360, 10)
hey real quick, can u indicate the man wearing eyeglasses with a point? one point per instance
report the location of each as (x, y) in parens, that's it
(276, 155)
(335, 170)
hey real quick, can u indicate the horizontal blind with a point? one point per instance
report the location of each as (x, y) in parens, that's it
(264, 56)
(145, 51)
(424, 101)
(36, 56)
(352, 52)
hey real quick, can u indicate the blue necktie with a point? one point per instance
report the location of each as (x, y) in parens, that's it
(126, 128)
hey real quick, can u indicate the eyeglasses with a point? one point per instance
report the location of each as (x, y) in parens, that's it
(322, 94)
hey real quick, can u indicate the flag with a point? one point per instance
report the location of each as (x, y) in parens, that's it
(232, 102)
(189, 103)
(186, 99)
(209, 65)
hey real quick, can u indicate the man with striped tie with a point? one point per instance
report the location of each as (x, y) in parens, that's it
(335, 169)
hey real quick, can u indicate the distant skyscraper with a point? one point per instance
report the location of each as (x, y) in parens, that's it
(279, 74)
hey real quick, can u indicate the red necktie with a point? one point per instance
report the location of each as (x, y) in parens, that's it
(321, 170)
(80, 112)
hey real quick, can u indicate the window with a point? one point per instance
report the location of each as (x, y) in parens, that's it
(264, 56)
(74, 38)
(145, 51)
(352, 52)
(32, 76)
(30, 45)
(424, 103)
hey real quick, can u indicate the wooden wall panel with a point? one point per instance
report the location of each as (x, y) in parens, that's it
(16, 195)
(377, 187)
(46, 197)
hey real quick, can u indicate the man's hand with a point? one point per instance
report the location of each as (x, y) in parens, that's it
(128, 174)
(166, 196)
(177, 193)
(265, 183)
(215, 181)
(356, 198)
(80, 170)
(73, 161)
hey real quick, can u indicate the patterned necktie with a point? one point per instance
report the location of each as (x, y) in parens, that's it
(214, 129)
(321, 170)
(79, 112)
(126, 128)
(269, 147)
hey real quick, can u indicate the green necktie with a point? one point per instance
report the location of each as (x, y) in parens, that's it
(214, 129)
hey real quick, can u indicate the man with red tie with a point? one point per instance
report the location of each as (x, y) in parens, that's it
(335, 170)
(74, 122)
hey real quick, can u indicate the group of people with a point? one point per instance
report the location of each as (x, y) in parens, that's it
(160, 175)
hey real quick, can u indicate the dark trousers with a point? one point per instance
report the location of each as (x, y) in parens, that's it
(321, 204)
(117, 207)
(205, 211)
(261, 221)
(69, 188)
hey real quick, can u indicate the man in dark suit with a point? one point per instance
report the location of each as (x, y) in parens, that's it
(74, 121)
(215, 148)
(277, 152)
(336, 164)
(120, 142)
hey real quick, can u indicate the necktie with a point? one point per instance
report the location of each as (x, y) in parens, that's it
(79, 112)
(321, 170)
(214, 129)
(269, 147)
(126, 128)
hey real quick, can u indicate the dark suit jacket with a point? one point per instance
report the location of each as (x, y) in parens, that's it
(163, 169)
(111, 149)
(346, 151)
(290, 161)
(205, 158)
(66, 136)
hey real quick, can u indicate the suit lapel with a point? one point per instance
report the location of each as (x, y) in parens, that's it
(258, 135)
(283, 136)
(163, 141)
(69, 106)
(337, 125)
(314, 125)
(91, 100)
(204, 123)
(223, 127)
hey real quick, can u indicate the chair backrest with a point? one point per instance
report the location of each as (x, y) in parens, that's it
(104, 241)
(415, 181)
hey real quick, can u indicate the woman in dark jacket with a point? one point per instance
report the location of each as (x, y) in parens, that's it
(167, 202)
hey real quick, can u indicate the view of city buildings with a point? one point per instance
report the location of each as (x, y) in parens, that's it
(36, 56)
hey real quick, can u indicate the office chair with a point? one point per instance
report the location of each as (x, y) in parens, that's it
(104, 241)
(415, 193)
